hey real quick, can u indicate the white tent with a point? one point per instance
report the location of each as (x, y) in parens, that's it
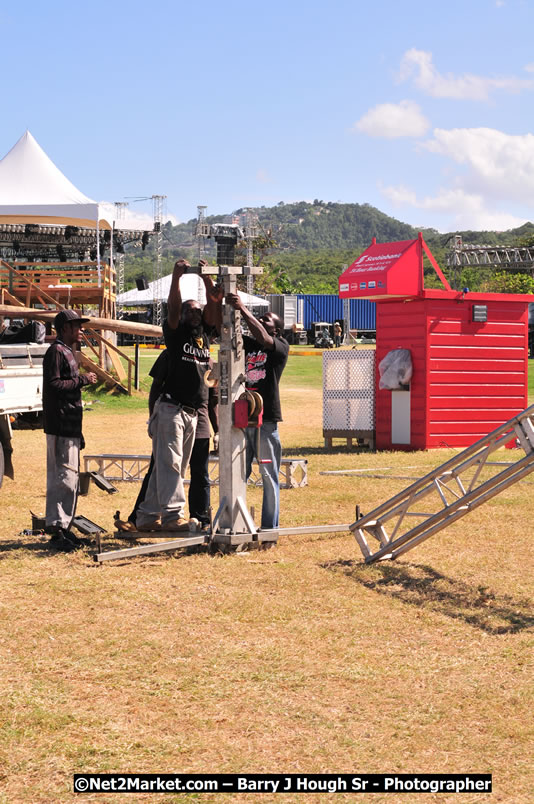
(33, 189)
(191, 287)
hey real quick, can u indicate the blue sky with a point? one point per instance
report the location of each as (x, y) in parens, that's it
(421, 109)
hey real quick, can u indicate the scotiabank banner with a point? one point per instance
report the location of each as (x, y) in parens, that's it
(384, 270)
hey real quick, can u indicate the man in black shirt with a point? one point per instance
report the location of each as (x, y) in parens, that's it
(62, 415)
(175, 416)
(266, 355)
(199, 486)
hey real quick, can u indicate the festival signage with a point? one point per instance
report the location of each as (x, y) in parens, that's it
(384, 270)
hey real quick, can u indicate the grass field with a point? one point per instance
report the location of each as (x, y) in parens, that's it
(299, 659)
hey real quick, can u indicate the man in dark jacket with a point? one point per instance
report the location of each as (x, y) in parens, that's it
(62, 414)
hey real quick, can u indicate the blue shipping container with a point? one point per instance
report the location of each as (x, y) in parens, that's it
(324, 307)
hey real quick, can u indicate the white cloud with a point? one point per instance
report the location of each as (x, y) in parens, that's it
(417, 64)
(391, 120)
(132, 218)
(498, 164)
(460, 209)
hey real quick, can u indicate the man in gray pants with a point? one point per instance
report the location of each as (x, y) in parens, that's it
(175, 415)
(62, 414)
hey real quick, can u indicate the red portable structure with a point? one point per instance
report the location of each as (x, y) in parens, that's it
(469, 350)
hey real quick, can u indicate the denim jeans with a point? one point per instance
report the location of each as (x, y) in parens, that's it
(270, 449)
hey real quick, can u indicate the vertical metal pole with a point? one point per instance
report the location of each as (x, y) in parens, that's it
(136, 372)
(98, 251)
(232, 516)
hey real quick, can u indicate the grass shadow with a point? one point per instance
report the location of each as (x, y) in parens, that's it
(342, 449)
(420, 585)
(40, 548)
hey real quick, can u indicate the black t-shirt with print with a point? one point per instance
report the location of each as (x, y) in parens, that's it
(264, 368)
(189, 359)
(159, 371)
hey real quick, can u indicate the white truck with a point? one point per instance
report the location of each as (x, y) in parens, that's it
(21, 387)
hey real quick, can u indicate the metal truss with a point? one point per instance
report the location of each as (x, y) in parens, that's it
(130, 468)
(517, 258)
(447, 493)
(158, 269)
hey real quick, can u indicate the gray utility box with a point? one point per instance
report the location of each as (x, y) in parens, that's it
(349, 396)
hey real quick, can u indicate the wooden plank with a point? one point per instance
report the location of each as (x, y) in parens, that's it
(463, 339)
(459, 416)
(87, 363)
(475, 365)
(452, 378)
(453, 390)
(442, 326)
(474, 402)
(13, 299)
(475, 429)
(477, 353)
(117, 363)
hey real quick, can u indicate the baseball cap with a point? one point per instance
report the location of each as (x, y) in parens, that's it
(64, 316)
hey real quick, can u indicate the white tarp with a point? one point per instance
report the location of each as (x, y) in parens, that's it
(31, 185)
(191, 287)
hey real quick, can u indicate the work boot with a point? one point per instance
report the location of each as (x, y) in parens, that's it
(154, 525)
(61, 540)
(178, 524)
(79, 540)
(126, 526)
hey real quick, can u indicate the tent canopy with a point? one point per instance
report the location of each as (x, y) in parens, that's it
(33, 189)
(191, 287)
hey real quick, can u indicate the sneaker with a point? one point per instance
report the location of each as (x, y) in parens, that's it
(154, 525)
(125, 526)
(179, 524)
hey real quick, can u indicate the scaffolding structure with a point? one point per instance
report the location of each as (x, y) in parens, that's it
(158, 201)
(118, 259)
(251, 233)
(516, 258)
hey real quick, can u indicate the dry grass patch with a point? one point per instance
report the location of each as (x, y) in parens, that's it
(299, 658)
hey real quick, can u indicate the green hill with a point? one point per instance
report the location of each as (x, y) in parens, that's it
(305, 245)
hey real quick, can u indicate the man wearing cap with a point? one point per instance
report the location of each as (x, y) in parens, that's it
(62, 414)
(266, 354)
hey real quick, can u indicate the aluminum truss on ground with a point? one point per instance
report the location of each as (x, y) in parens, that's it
(447, 493)
(128, 468)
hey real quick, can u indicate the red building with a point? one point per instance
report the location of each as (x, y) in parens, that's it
(469, 351)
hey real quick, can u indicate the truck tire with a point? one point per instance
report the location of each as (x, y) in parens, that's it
(1, 465)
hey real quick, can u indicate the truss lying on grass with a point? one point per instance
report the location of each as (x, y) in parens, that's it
(449, 492)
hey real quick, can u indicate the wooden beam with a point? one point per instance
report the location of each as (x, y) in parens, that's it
(87, 363)
(13, 299)
(131, 327)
